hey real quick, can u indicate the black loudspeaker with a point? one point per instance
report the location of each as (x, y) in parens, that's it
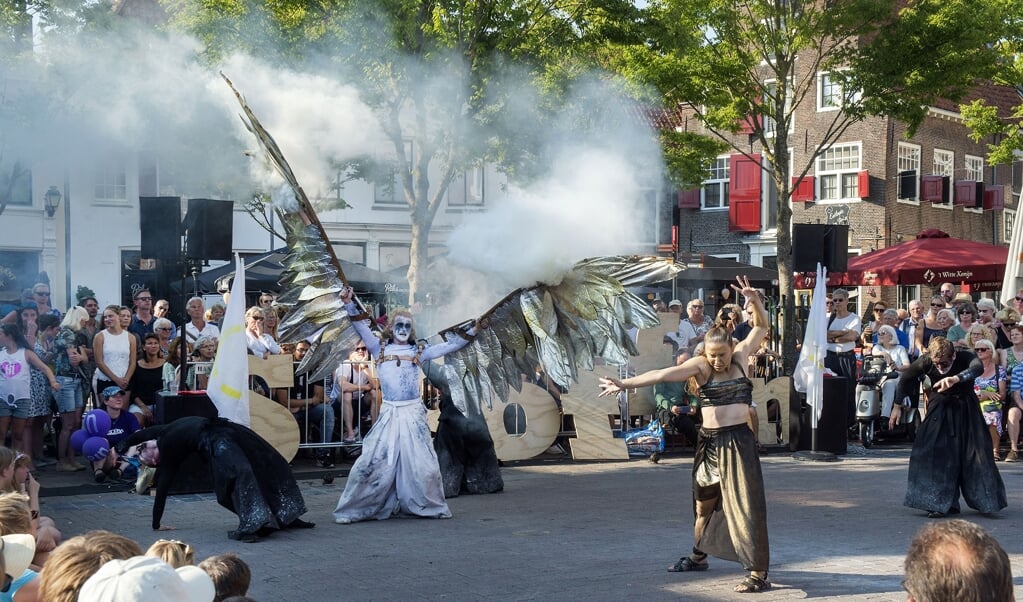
(832, 427)
(160, 226)
(170, 407)
(194, 476)
(824, 243)
(209, 225)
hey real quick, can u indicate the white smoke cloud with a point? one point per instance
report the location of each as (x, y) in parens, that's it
(584, 208)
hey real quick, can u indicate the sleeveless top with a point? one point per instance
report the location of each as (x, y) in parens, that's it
(116, 352)
(1010, 360)
(15, 376)
(932, 332)
(726, 392)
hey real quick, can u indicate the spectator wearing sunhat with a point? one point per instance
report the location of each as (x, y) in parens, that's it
(147, 579)
(17, 552)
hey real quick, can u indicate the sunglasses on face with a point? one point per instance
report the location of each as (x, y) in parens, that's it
(937, 305)
(42, 294)
(257, 318)
(360, 349)
(1019, 299)
(880, 308)
(164, 329)
(979, 349)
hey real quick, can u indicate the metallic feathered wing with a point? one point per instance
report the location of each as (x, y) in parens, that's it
(312, 277)
(559, 328)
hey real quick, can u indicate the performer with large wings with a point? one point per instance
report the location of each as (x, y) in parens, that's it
(560, 325)
(397, 472)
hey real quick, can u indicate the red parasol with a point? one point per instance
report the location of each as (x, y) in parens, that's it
(931, 258)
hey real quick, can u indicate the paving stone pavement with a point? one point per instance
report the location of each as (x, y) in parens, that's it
(565, 530)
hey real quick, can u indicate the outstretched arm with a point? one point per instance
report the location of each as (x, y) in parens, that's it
(153, 432)
(452, 343)
(681, 373)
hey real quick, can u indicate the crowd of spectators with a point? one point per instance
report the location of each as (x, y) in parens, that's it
(102, 566)
(93, 355)
(897, 334)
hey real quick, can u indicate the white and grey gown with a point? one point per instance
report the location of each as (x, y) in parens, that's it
(397, 472)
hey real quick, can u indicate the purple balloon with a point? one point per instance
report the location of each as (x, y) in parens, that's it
(78, 439)
(96, 448)
(96, 423)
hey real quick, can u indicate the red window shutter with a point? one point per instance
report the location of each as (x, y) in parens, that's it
(744, 193)
(689, 199)
(864, 184)
(979, 196)
(994, 198)
(934, 189)
(966, 193)
(749, 124)
(802, 189)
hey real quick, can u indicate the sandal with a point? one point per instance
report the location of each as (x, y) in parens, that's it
(687, 564)
(100, 476)
(752, 585)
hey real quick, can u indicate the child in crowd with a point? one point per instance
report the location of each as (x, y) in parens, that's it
(173, 552)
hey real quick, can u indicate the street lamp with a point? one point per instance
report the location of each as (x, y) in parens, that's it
(52, 199)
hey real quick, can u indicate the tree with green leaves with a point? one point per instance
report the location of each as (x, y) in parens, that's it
(984, 119)
(723, 62)
(435, 72)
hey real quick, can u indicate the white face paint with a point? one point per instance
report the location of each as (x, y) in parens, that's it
(402, 329)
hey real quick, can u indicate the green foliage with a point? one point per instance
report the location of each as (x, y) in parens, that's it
(688, 156)
(984, 122)
(84, 293)
(1005, 132)
(935, 49)
(755, 62)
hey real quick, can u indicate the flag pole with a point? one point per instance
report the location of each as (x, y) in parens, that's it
(809, 374)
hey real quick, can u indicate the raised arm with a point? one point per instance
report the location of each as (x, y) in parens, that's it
(360, 320)
(759, 319)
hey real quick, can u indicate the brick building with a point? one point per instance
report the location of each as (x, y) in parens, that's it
(885, 186)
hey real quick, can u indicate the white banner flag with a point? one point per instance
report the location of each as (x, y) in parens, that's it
(809, 374)
(1011, 283)
(228, 386)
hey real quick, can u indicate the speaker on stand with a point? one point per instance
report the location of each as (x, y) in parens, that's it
(824, 243)
(209, 227)
(160, 227)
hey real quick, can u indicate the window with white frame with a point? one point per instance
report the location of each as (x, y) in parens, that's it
(974, 168)
(1008, 223)
(388, 186)
(909, 161)
(829, 92)
(17, 179)
(838, 173)
(770, 98)
(944, 165)
(466, 189)
(714, 194)
(111, 184)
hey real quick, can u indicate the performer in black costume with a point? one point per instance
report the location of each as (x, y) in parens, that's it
(250, 477)
(729, 504)
(952, 450)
